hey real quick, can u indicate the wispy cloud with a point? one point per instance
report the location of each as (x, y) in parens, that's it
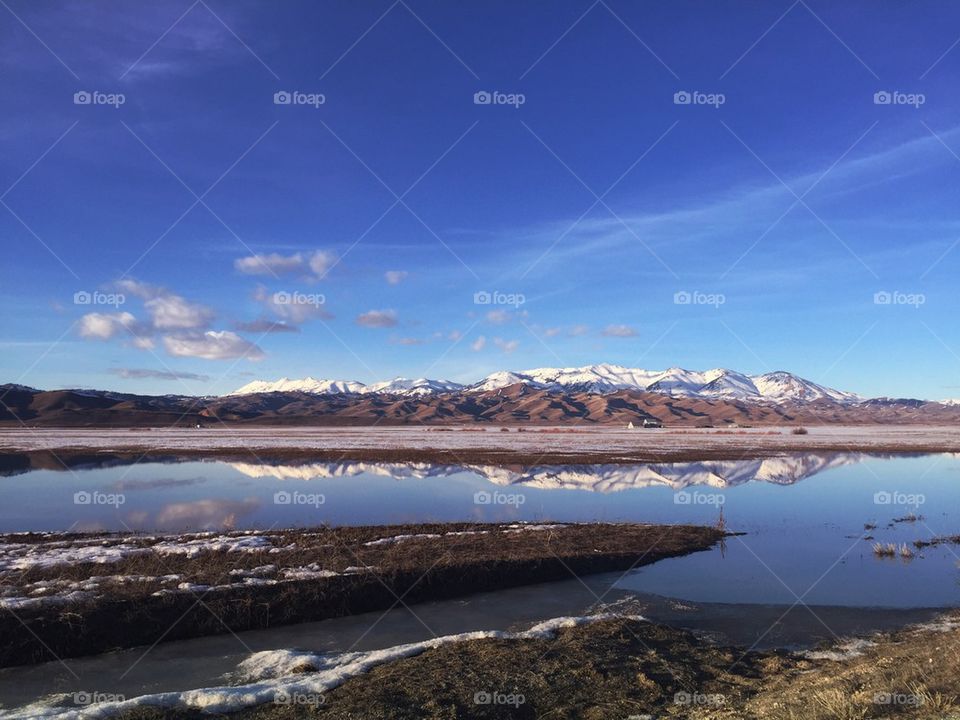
(377, 319)
(142, 373)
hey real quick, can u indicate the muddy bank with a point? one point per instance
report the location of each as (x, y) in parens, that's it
(623, 668)
(86, 594)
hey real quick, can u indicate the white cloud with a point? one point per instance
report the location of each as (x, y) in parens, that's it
(318, 262)
(270, 264)
(212, 345)
(103, 326)
(395, 277)
(293, 307)
(454, 335)
(498, 317)
(578, 330)
(508, 346)
(478, 344)
(407, 341)
(620, 331)
(551, 332)
(167, 310)
(378, 319)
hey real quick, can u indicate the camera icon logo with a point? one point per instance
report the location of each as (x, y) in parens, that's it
(682, 97)
(82, 297)
(82, 97)
(882, 97)
(282, 97)
(482, 297)
(82, 497)
(882, 498)
(682, 298)
(882, 298)
(482, 97)
(282, 297)
(282, 497)
(482, 497)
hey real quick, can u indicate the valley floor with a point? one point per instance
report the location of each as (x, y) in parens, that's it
(529, 445)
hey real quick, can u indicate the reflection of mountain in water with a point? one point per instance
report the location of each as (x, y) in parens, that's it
(784, 470)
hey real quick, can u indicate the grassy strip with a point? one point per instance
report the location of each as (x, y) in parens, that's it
(490, 557)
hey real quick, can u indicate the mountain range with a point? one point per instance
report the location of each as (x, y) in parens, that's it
(717, 384)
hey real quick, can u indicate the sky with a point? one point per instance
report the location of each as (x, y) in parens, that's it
(194, 194)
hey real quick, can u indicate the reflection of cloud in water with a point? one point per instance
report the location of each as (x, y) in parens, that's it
(783, 470)
(155, 484)
(205, 514)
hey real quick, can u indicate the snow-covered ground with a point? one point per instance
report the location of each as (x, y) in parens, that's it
(568, 440)
(282, 677)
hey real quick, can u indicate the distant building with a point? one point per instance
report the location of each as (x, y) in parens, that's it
(652, 423)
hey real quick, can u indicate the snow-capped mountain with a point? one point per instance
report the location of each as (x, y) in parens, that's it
(719, 383)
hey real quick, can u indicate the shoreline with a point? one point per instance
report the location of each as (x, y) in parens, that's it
(104, 592)
(34, 447)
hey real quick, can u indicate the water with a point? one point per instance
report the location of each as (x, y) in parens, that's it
(804, 546)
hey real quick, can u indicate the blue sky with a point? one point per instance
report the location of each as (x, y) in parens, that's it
(780, 201)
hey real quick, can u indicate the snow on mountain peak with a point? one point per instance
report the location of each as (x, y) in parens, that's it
(714, 384)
